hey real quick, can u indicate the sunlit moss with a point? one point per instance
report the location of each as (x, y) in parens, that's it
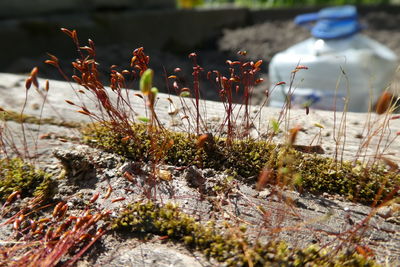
(16, 175)
(231, 246)
(246, 158)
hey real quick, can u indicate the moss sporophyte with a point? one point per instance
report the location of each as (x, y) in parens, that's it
(246, 158)
(230, 246)
(238, 153)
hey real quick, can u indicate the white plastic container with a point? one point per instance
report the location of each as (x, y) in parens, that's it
(336, 47)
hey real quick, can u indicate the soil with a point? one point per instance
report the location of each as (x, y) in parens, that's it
(266, 39)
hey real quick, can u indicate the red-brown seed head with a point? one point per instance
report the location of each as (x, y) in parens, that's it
(293, 134)
(384, 103)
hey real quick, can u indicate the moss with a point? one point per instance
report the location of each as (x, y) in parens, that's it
(352, 180)
(9, 115)
(231, 247)
(16, 175)
(247, 158)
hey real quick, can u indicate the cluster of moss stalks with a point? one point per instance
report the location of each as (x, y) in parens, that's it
(246, 158)
(17, 175)
(231, 247)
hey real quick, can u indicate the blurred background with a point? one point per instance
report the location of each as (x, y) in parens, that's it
(280, 3)
(169, 30)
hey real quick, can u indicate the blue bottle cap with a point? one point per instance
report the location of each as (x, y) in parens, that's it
(332, 23)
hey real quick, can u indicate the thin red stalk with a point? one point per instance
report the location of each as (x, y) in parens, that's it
(196, 88)
(25, 144)
(83, 250)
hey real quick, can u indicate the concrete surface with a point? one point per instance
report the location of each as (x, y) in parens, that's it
(349, 135)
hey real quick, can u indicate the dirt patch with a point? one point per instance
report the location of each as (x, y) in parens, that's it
(266, 39)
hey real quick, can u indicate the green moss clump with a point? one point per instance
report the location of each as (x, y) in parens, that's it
(232, 247)
(247, 158)
(9, 115)
(16, 175)
(352, 180)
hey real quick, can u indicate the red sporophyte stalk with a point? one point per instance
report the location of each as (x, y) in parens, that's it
(196, 88)
(116, 115)
(241, 81)
(45, 241)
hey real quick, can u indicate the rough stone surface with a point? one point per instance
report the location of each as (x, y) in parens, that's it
(300, 219)
(357, 138)
(154, 256)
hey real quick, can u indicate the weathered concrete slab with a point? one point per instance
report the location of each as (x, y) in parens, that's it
(348, 135)
(299, 219)
(153, 256)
